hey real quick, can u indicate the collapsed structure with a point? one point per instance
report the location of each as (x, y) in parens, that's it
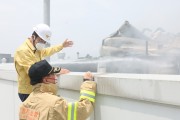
(129, 50)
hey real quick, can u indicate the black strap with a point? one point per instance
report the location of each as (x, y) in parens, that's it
(85, 79)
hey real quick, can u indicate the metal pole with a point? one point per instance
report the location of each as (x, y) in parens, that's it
(46, 17)
(147, 47)
(47, 12)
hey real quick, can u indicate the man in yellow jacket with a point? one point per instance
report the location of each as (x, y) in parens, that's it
(43, 104)
(31, 51)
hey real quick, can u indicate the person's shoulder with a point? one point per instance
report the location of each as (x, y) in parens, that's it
(50, 99)
(50, 96)
(21, 51)
(22, 47)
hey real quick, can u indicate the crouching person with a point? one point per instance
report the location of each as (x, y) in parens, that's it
(43, 104)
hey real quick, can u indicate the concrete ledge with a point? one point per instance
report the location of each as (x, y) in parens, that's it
(8, 75)
(148, 87)
(7, 72)
(154, 88)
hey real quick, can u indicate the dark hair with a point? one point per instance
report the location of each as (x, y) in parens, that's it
(35, 34)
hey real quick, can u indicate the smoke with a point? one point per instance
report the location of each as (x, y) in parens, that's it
(129, 50)
(157, 53)
(141, 65)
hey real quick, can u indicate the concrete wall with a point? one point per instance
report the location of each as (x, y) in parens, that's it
(119, 96)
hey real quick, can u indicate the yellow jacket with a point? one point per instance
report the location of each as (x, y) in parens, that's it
(24, 57)
(43, 105)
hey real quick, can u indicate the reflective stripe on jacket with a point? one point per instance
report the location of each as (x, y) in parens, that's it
(24, 57)
(42, 105)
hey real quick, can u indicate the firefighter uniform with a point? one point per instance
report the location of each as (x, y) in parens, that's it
(42, 104)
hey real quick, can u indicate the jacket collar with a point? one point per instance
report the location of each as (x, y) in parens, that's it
(45, 88)
(30, 45)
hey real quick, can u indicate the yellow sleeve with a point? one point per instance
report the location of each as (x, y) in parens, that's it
(81, 109)
(51, 50)
(87, 100)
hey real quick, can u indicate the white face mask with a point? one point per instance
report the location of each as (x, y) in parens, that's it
(40, 46)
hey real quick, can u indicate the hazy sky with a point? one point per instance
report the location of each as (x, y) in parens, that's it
(86, 22)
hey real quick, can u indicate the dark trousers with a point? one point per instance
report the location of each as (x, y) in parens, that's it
(23, 97)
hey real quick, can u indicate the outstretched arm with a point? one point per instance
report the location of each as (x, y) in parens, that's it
(81, 109)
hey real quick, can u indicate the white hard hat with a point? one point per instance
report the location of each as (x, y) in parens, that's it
(43, 31)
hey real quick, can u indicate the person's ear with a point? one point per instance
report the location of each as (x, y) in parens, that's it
(45, 80)
(33, 37)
